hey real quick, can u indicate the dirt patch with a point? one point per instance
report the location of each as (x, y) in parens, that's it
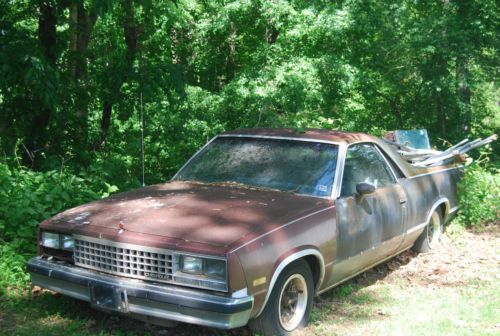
(470, 257)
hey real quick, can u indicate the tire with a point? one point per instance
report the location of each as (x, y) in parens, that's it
(431, 235)
(294, 286)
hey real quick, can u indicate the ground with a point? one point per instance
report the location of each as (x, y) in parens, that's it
(452, 290)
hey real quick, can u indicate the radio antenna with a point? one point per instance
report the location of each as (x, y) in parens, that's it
(142, 120)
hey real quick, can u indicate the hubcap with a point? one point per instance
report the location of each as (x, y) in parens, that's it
(293, 302)
(434, 229)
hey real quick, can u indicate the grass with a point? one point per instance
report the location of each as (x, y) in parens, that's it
(392, 309)
(451, 291)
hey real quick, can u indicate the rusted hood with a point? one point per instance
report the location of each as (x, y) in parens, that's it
(181, 213)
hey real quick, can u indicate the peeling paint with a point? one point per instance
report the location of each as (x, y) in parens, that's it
(82, 216)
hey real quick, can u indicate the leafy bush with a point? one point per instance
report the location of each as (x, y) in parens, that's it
(478, 195)
(12, 267)
(28, 197)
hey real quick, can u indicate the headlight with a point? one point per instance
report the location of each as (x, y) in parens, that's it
(215, 269)
(191, 265)
(57, 240)
(202, 272)
(51, 239)
(67, 242)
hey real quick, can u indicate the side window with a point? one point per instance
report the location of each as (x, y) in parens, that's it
(364, 163)
(399, 174)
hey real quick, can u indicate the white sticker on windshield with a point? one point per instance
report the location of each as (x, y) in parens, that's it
(323, 188)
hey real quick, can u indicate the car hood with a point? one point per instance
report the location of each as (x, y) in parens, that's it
(187, 212)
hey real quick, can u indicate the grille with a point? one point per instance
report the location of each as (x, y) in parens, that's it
(123, 259)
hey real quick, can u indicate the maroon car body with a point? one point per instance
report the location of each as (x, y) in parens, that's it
(255, 233)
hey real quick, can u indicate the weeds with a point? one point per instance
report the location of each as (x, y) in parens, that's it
(478, 193)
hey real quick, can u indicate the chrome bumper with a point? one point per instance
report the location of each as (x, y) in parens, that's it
(137, 297)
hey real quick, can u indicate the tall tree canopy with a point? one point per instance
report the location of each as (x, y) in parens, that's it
(73, 74)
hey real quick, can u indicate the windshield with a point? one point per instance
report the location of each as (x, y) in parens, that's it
(289, 165)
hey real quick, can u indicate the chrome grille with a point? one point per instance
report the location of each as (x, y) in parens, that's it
(128, 260)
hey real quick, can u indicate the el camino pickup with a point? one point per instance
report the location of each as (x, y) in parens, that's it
(248, 231)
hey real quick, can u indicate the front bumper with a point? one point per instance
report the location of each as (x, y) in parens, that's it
(141, 298)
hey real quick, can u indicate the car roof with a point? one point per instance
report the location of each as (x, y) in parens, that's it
(310, 133)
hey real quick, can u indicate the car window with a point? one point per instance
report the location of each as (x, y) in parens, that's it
(397, 171)
(364, 163)
(303, 167)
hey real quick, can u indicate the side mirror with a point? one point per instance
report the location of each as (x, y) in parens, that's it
(364, 188)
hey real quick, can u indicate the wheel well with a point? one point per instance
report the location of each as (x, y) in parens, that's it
(444, 213)
(314, 260)
(313, 263)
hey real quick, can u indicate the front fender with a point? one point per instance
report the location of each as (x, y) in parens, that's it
(263, 259)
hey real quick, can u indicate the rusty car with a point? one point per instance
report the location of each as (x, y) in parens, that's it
(248, 231)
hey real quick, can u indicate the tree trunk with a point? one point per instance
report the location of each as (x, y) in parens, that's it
(47, 22)
(73, 29)
(397, 112)
(81, 25)
(47, 31)
(231, 56)
(271, 34)
(130, 33)
(130, 30)
(107, 109)
(441, 116)
(463, 77)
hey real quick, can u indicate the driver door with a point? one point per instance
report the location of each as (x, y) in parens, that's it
(370, 226)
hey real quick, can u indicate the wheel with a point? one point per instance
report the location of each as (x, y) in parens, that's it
(289, 304)
(429, 238)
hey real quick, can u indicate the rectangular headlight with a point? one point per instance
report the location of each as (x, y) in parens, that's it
(191, 265)
(67, 242)
(215, 269)
(51, 239)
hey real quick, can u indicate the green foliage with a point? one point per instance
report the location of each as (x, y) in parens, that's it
(203, 67)
(478, 195)
(12, 267)
(29, 197)
(344, 291)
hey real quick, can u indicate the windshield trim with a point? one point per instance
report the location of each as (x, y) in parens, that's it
(276, 137)
(341, 147)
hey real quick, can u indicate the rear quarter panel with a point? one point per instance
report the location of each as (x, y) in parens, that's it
(425, 191)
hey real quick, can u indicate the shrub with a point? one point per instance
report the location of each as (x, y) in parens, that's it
(478, 195)
(28, 197)
(12, 267)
